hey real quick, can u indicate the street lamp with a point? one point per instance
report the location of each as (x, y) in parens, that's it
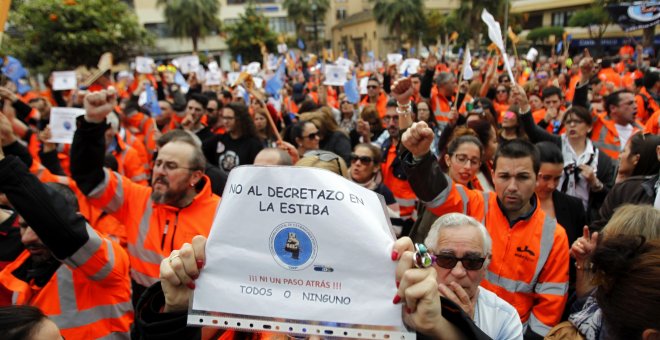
(316, 31)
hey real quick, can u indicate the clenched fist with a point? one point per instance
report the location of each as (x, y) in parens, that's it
(418, 138)
(99, 104)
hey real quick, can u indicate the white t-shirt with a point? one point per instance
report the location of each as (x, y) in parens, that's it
(624, 133)
(496, 317)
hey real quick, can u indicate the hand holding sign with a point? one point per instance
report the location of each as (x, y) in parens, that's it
(179, 271)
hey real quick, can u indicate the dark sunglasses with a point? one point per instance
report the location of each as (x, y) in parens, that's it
(363, 159)
(312, 135)
(372, 86)
(449, 261)
(325, 156)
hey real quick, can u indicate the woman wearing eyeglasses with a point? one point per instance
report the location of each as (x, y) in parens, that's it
(365, 170)
(588, 172)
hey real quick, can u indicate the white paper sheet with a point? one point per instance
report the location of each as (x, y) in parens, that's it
(335, 75)
(144, 65)
(63, 123)
(344, 62)
(409, 66)
(213, 77)
(394, 58)
(300, 248)
(188, 64)
(65, 80)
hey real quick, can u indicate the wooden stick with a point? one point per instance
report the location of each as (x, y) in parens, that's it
(273, 126)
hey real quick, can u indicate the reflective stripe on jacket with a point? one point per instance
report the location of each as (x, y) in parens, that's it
(153, 230)
(88, 298)
(606, 137)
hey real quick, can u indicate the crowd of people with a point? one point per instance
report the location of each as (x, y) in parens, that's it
(538, 196)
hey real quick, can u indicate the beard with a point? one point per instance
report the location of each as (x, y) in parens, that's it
(169, 196)
(39, 253)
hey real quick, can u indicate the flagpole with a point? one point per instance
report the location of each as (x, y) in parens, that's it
(460, 77)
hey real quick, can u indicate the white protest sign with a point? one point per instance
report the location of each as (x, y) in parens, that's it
(335, 75)
(213, 77)
(344, 62)
(253, 68)
(532, 54)
(282, 48)
(409, 66)
(271, 62)
(63, 124)
(188, 64)
(213, 66)
(394, 58)
(65, 80)
(313, 253)
(232, 77)
(364, 81)
(144, 65)
(258, 82)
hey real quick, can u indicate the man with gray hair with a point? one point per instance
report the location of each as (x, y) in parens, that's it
(462, 248)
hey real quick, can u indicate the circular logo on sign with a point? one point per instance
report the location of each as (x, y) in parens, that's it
(67, 125)
(293, 246)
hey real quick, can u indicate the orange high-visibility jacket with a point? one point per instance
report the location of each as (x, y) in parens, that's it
(645, 105)
(440, 105)
(153, 230)
(606, 137)
(395, 180)
(129, 162)
(89, 297)
(138, 145)
(529, 263)
(145, 129)
(381, 104)
(653, 123)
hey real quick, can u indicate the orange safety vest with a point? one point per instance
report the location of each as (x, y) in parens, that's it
(653, 123)
(146, 127)
(641, 98)
(129, 163)
(138, 145)
(107, 225)
(381, 104)
(88, 297)
(153, 230)
(540, 114)
(440, 105)
(400, 187)
(529, 260)
(606, 137)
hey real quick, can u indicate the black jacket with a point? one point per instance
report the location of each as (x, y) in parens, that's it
(634, 190)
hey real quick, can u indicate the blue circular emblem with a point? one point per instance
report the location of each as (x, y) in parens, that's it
(67, 125)
(293, 246)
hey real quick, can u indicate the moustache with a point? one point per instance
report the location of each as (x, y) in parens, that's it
(161, 180)
(34, 246)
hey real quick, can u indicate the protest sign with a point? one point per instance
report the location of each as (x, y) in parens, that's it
(213, 66)
(394, 58)
(214, 77)
(282, 48)
(144, 65)
(364, 81)
(335, 75)
(63, 124)
(409, 66)
(187, 64)
(297, 266)
(253, 68)
(64, 80)
(344, 62)
(232, 77)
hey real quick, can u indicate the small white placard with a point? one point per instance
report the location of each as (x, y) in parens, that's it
(144, 65)
(63, 123)
(394, 58)
(335, 75)
(188, 64)
(65, 80)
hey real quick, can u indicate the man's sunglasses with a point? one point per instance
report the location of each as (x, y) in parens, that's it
(449, 261)
(366, 160)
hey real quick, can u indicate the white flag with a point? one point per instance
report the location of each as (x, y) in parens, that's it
(467, 65)
(495, 35)
(494, 29)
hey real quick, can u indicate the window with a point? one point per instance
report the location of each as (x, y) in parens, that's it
(533, 20)
(281, 25)
(561, 18)
(160, 29)
(341, 13)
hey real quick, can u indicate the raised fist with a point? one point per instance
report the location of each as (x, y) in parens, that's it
(402, 90)
(99, 104)
(418, 138)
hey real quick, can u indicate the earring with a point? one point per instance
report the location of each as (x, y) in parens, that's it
(192, 185)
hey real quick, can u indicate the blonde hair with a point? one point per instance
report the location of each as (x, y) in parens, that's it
(313, 159)
(633, 220)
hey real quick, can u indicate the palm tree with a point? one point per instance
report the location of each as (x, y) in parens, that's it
(300, 12)
(401, 17)
(195, 19)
